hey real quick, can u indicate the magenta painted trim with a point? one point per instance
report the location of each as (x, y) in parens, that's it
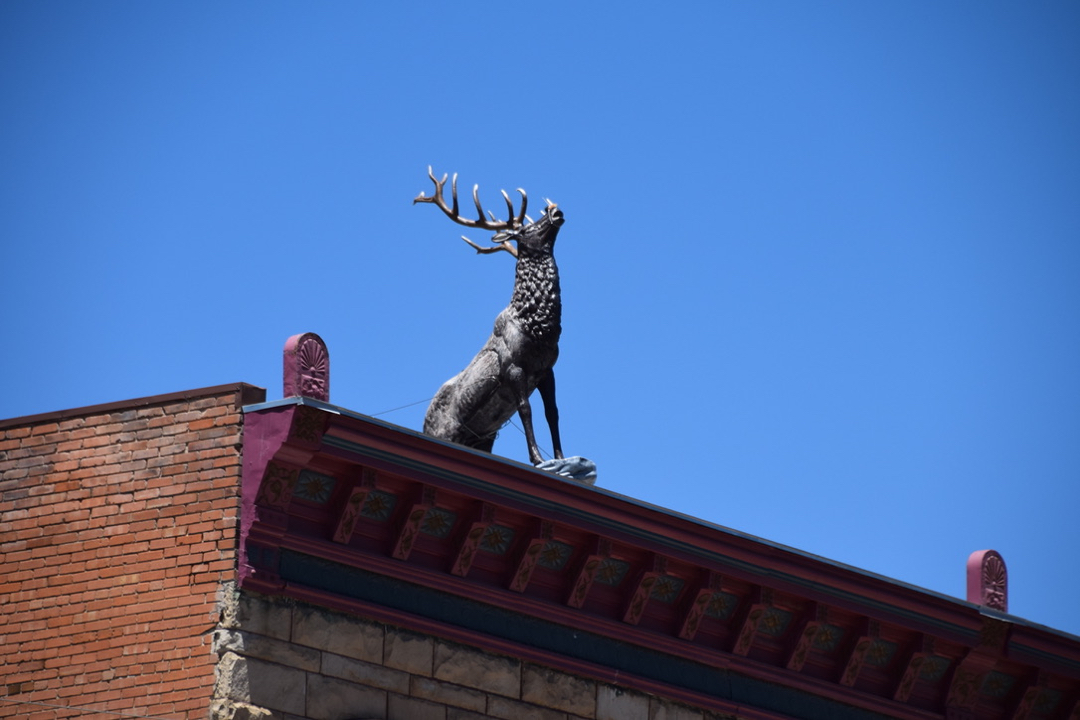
(265, 434)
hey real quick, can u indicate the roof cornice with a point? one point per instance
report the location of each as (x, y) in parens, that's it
(888, 630)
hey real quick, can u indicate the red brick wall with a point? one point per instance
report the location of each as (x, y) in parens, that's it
(117, 527)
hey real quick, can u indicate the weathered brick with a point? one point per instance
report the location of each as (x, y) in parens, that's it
(13, 473)
(32, 461)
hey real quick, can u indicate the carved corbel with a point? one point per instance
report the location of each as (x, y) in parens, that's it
(859, 652)
(471, 544)
(698, 606)
(410, 526)
(647, 579)
(586, 574)
(913, 668)
(968, 678)
(751, 624)
(815, 617)
(530, 556)
(350, 513)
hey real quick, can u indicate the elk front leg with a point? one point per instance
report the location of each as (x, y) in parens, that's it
(524, 410)
(551, 411)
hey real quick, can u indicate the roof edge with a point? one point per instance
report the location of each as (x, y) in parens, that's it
(247, 394)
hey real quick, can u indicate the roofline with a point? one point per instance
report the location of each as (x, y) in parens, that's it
(247, 394)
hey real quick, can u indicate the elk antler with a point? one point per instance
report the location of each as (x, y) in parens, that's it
(504, 245)
(482, 223)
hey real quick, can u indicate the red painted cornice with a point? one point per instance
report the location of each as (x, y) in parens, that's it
(782, 617)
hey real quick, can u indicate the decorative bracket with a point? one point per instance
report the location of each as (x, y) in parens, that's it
(640, 598)
(858, 655)
(350, 513)
(708, 589)
(753, 621)
(473, 540)
(531, 556)
(967, 681)
(587, 572)
(817, 616)
(921, 661)
(410, 527)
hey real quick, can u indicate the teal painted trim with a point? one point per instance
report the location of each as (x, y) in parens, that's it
(1015, 649)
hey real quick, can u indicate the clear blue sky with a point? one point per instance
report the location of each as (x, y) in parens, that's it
(821, 264)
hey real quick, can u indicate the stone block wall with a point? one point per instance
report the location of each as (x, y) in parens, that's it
(117, 528)
(286, 660)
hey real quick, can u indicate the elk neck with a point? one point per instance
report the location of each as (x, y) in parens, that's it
(536, 302)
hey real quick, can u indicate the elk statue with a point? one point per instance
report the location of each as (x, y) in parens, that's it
(472, 406)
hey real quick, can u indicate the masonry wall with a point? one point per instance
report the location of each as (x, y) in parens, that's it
(117, 528)
(287, 660)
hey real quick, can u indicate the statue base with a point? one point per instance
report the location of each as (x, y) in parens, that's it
(576, 468)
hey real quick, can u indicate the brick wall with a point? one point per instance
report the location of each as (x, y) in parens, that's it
(117, 528)
(287, 660)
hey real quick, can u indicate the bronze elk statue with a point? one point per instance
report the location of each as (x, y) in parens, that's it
(473, 406)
